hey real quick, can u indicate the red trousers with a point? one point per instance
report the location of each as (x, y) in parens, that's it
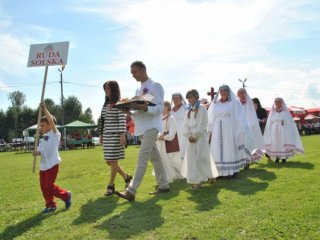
(49, 189)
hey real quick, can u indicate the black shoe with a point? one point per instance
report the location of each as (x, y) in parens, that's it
(49, 210)
(246, 166)
(277, 160)
(110, 190)
(160, 190)
(284, 160)
(68, 201)
(128, 180)
(126, 195)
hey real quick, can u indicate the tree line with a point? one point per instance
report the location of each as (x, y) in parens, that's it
(19, 116)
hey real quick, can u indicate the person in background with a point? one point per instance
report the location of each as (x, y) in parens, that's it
(170, 157)
(262, 117)
(205, 102)
(254, 133)
(261, 113)
(197, 166)
(281, 135)
(112, 134)
(179, 111)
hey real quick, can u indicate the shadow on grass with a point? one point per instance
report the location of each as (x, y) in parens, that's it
(140, 216)
(244, 182)
(288, 164)
(94, 210)
(14, 231)
(207, 196)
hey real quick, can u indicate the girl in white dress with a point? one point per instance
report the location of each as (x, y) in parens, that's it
(179, 111)
(197, 165)
(172, 160)
(281, 135)
(227, 126)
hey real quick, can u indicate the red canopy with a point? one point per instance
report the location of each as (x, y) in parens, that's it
(297, 111)
(313, 110)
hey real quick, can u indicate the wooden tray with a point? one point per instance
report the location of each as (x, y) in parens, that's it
(128, 105)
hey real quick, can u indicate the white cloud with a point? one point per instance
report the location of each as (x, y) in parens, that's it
(198, 45)
(190, 44)
(13, 54)
(4, 87)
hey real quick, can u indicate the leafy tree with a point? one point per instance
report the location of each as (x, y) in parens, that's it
(11, 123)
(19, 117)
(3, 129)
(72, 109)
(26, 118)
(51, 106)
(17, 99)
(87, 116)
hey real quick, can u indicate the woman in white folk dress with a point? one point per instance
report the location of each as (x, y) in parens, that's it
(227, 127)
(281, 135)
(170, 155)
(197, 165)
(256, 138)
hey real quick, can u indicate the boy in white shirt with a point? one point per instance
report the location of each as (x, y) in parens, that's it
(49, 164)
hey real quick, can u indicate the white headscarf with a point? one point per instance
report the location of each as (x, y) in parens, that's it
(283, 106)
(253, 122)
(231, 95)
(217, 98)
(180, 95)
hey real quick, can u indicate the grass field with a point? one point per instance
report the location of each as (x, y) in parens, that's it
(268, 201)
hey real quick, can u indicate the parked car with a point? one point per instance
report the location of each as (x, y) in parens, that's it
(96, 141)
(28, 139)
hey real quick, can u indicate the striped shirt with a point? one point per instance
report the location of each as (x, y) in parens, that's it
(112, 121)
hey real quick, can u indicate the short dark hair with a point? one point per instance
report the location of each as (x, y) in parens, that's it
(138, 64)
(115, 92)
(192, 93)
(45, 119)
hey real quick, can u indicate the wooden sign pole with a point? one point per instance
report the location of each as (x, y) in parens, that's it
(39, 118)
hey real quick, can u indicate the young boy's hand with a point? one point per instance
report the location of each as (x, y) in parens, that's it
(42, 105)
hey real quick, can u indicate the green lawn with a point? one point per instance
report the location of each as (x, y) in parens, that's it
(268, 201)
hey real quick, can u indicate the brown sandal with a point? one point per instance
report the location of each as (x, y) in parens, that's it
(128, 180)
(110, 190)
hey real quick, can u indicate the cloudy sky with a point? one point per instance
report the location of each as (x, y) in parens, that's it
(185, 44)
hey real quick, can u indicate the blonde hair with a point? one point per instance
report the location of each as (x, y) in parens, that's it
(167, 104)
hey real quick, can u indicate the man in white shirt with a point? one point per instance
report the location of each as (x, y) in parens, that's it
(148, 124)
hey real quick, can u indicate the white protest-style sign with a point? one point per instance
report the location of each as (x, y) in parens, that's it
(48, 54)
